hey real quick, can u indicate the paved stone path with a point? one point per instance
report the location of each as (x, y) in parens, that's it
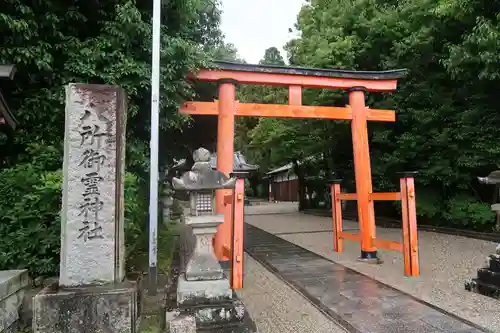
(446, 261)
(277, 308)
(358, 303)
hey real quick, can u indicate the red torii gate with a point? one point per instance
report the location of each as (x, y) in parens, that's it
(356, 83)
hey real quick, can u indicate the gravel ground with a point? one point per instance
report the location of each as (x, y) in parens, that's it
(445, 261)
(277, 308)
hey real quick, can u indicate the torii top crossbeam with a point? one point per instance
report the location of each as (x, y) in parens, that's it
(356, 83)
(296, 78)
(300, 76)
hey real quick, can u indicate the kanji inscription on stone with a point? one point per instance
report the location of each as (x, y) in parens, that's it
(92, 246)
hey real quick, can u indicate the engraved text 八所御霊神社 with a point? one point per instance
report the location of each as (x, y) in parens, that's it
(94, 132)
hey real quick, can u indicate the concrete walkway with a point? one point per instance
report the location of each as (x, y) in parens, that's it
(357, 302)
(446, 261)
(277, 308)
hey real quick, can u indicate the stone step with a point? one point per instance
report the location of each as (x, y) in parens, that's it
(494, 260)
(489, 277)
(181, 322)
(224, 317)
(477, 286)
(235, 329)
(217, 315)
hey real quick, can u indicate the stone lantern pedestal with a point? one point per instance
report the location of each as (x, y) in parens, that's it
(203, 300)
(488, 278)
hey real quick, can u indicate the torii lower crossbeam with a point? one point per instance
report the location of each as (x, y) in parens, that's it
(286, 111)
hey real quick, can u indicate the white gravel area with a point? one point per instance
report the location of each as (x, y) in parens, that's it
(277, 308)
(445, 261)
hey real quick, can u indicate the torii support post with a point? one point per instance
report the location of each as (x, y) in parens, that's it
(225, 160)
(237, 253)
(362, 168)
(409, 246)
(338, 241)
(410, 237)
(355, 82)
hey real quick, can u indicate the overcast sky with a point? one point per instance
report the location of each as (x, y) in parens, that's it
(255, 25)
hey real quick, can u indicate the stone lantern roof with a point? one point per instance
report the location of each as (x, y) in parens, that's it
(240, 163)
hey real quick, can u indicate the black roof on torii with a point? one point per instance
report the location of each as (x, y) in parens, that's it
(304, 71)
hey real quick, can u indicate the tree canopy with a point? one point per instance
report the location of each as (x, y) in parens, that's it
(53, 43)
(446, 125)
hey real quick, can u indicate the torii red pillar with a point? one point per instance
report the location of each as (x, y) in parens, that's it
(225, 158)
(362, 170)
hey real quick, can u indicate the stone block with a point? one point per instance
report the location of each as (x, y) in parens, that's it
(223, 314)
(202, 264)
(230, 317)
(489, 277)
(202, 292)
(494, 263)
(97, 309)
(92, 230)
(182, 324)
(12, 288)
(478, 286)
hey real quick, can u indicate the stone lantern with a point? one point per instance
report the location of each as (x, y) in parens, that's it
(204, 298)
(488, 278)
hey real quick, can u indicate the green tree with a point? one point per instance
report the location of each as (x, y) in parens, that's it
(272, 56)
(446, 124)
(54, 43)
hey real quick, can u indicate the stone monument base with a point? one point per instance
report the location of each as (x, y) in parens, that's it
(221, 317)
(215, 310)
(203, 292)
(96, 309)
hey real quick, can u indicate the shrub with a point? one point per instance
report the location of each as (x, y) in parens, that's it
(136, 214)
(465, 211)
(30, 204)
(248, 189)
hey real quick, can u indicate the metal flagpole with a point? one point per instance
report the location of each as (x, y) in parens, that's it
(154, 173)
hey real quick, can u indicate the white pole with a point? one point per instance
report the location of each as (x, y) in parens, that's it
(155, 119)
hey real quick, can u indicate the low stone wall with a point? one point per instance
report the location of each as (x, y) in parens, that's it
(12, 287)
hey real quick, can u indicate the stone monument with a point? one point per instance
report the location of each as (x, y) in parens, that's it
(488, 278)
(91, 295)
(203, 300)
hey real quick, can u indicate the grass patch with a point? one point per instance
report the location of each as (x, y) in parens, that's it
(151, 324)
(153, 310)
(138, 259)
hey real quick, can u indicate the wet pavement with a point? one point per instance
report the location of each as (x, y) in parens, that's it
(446, 261)
(277, 308)
(355, 301)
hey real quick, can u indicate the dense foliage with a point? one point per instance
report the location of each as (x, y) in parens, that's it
(446, 121)
(53, 43)
(30, 223)
(447, 126)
